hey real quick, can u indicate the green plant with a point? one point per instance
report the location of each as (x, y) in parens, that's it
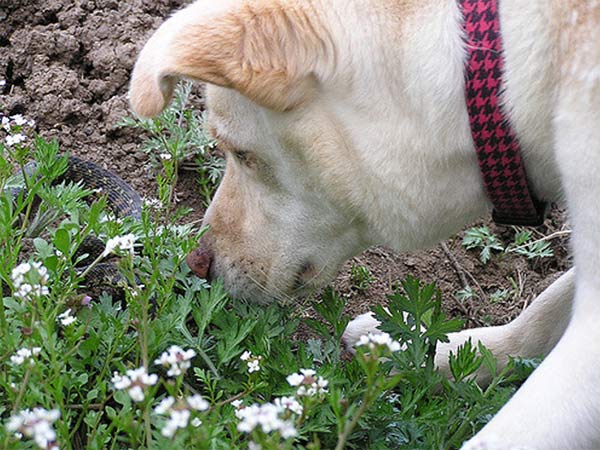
(482, 238)
(178, 136)
(361, 277)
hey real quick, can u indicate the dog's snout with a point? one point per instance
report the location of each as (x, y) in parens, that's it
(201, 259)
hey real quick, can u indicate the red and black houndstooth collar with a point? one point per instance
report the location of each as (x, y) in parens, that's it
(497, 146)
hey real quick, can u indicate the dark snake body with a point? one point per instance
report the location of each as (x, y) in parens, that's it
(122, 200)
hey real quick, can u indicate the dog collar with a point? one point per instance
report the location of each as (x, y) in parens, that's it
(496, 143)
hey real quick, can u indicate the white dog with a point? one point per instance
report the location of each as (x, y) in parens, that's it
(345, 126)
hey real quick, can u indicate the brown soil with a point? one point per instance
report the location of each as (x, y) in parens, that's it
(67, 65)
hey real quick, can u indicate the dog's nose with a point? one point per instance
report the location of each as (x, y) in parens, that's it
(201, 259)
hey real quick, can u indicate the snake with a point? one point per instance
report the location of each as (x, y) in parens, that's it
(122, 201)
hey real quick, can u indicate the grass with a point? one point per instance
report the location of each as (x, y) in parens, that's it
(69, 352)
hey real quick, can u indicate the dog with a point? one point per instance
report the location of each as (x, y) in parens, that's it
(345, 126)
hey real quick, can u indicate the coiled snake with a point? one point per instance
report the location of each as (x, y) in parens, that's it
(122, 200)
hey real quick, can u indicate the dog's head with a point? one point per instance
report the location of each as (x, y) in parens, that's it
(306, 124)
(282, 220)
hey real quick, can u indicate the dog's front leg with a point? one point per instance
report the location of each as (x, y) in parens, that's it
(533, 334)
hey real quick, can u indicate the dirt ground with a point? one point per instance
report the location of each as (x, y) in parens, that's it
(67, 65)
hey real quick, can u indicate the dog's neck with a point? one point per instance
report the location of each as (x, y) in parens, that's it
(410, 104)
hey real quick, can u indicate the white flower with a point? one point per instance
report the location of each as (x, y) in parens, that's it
(166, 156)
(5, 122)
(308, 383)
(14, 139)
(179, 413)
(165, 405)
(176, 359)
(254, 446)
(36, 276)
(177, 419)
(374, 340)
(196, 422)
(2, 83)
(120, 243)
(153, 203)
(254, 366)
(134, 381)
(19, 120)
(197, 402)
(267, 418)
(36, 424)
(237, 404)
(253, 362)
(66, 318)
(24, 354)
(289, 403)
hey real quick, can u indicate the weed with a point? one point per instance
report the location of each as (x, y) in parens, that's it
(178, 136)
(361, 277)
(482, 238)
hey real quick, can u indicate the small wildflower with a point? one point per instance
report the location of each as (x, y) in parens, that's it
(120, 243)
(36, 424)
(308, 383)
(289, 403)
(254, 446)
(14, 139)
(375, 340)
(179, 413)
(197, 402)
(267, 418)
(66, 318)
(36, 276)
(176, 359)
(153, 203)
(166, 156)
(253, 362)
(196, 422)
(86, 301)
(25, 354)
(134, 381)
(19, 120)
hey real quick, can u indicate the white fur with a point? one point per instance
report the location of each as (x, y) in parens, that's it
(380, 152)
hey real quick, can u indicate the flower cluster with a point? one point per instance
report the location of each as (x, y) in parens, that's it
(267, 417)
(13, 125)
(36, 424)
(25, 354)
(308, 383)
(134, 381)
(375, 341)
(176, 359)
(179, 412)
(253, 362)
(66, 318)
(124, 243)
(30, 280)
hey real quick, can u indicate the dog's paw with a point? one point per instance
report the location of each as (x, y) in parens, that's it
(359, 326)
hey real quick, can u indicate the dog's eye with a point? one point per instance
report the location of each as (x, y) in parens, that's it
(242, 156)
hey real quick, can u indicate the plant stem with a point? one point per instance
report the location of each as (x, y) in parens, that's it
(345, 434)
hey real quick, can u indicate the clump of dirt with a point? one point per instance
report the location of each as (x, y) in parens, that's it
(67, 65)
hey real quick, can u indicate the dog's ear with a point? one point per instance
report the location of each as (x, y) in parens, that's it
(269, 50)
